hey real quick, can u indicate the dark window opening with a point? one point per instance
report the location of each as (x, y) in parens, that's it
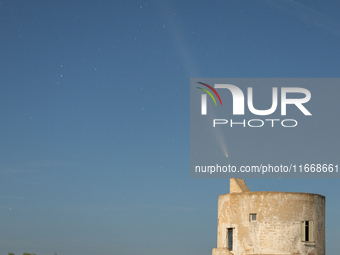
(307, 231)
(230, 239)
(253, 217)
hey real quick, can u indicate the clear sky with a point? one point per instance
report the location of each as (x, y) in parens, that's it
(94, 110)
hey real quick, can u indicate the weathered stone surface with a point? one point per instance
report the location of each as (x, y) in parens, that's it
(221, 251)
(238, 185)
(278, 226)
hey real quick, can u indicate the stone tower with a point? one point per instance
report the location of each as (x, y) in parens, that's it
(269, 223)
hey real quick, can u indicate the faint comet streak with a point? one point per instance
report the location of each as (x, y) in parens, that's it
(221, 141)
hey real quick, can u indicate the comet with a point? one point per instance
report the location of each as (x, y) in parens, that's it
(221, 141)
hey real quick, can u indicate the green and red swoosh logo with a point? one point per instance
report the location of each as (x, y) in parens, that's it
(209, 93)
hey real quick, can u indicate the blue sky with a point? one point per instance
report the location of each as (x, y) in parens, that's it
(94, 110)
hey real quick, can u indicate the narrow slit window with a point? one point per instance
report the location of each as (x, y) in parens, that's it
(230, 239)
(307, 231)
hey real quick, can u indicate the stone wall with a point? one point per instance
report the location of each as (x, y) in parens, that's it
(278, 225)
